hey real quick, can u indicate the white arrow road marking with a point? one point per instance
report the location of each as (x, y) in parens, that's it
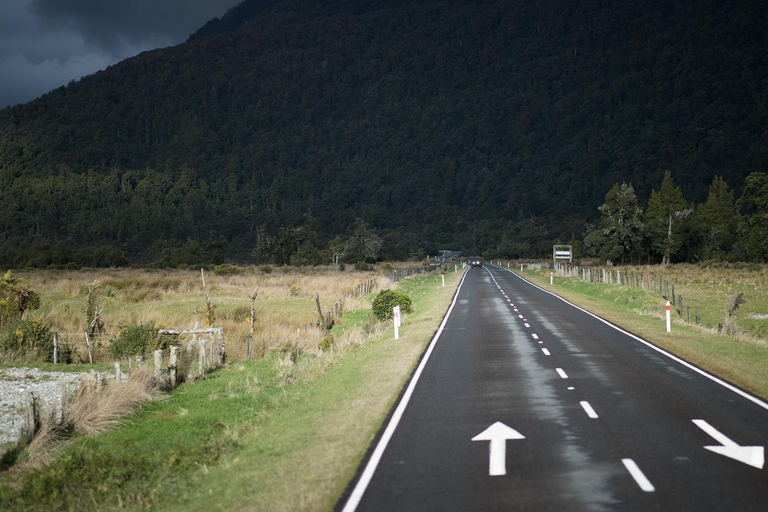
(497, 434)
(752, 455)
(588, 409)
(638, 475)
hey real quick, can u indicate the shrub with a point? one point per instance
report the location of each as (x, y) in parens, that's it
(327, 343)
(137, 340)
(265, 269)
(387, 299)
(28, 340)
(362, 266)
(295, 290)
(226, 270)
(387, 268)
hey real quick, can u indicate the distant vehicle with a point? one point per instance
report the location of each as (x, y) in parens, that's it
(476, 263)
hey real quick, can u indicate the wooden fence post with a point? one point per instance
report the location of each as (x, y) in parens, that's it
(55, 348)
(88, 344)
(222, 347)
(118, 373)
(64, 404)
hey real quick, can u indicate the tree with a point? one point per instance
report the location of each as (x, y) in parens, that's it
(363, 245)
(338, 249)
(618, 237)
(15, 298)
(666, 208)
(717, 221)
(754, 206)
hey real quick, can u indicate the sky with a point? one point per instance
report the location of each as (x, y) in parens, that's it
(46, 43)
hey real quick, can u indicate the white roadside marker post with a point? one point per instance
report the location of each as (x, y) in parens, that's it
(443, 276)
(396, 318)
(551, 278)
(669, 321)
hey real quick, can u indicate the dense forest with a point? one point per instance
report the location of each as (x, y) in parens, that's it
(492, 127)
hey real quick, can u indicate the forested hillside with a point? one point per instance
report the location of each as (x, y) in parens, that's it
(486, 126)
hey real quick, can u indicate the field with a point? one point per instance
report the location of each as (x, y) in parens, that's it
(174, 299)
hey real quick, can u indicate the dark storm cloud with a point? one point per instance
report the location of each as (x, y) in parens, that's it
(111, 25)
(47, 43)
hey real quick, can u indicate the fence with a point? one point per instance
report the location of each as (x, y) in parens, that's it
(645, 281)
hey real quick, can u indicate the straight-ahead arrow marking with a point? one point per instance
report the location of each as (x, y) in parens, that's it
(498, 434)
(752, 455)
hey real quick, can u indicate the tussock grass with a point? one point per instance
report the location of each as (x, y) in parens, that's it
(99, 408)
(174, 299)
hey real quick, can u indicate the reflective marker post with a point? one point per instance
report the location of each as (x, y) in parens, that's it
(669, 321)
(396, 318)
(551, 278)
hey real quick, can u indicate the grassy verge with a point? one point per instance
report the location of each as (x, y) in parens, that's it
(283, 433)
(741, 360)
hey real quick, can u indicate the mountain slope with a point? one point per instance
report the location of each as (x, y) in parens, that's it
(491, 125)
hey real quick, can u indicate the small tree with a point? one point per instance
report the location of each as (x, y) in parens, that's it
(15, 298)
(93, 312)
(662, 227)
(618, 236)
(717, 220)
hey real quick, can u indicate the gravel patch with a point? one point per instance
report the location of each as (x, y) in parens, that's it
(16, 383)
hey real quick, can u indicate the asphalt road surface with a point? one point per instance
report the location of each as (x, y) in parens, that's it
(525, 402)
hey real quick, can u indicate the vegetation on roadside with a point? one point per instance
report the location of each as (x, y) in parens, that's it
(257, 434)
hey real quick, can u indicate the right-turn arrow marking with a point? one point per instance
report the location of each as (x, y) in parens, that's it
(752, 455)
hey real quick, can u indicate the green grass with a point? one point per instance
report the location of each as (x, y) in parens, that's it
(742, 360)
(268, 435)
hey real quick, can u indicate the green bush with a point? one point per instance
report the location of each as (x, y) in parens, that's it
(137, 340)
(226, 270)
(387, 299)
(362, 266)
(327, 343)
(265, 269)
(28, 340)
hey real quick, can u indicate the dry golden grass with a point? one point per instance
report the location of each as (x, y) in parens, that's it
(174, 299)
(98, 408)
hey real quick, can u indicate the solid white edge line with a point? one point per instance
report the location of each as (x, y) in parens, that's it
(373, 462)
(683, 362)
(561, 373)
(589, 410)
(638, 475)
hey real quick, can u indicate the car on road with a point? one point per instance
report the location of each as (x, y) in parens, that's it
(477, 262)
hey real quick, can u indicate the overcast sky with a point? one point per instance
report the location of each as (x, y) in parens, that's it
(46, 43)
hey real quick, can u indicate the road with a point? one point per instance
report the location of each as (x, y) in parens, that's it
(583, 416)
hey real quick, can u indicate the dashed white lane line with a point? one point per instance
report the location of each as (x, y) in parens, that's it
(638, 475)
(546, 352)
(535, 336)
(561, 373)
(588, 409)
(527, 325)
(571, 388)
(519, 316)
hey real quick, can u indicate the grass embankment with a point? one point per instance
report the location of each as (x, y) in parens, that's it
(742, 360)
(283, 433)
